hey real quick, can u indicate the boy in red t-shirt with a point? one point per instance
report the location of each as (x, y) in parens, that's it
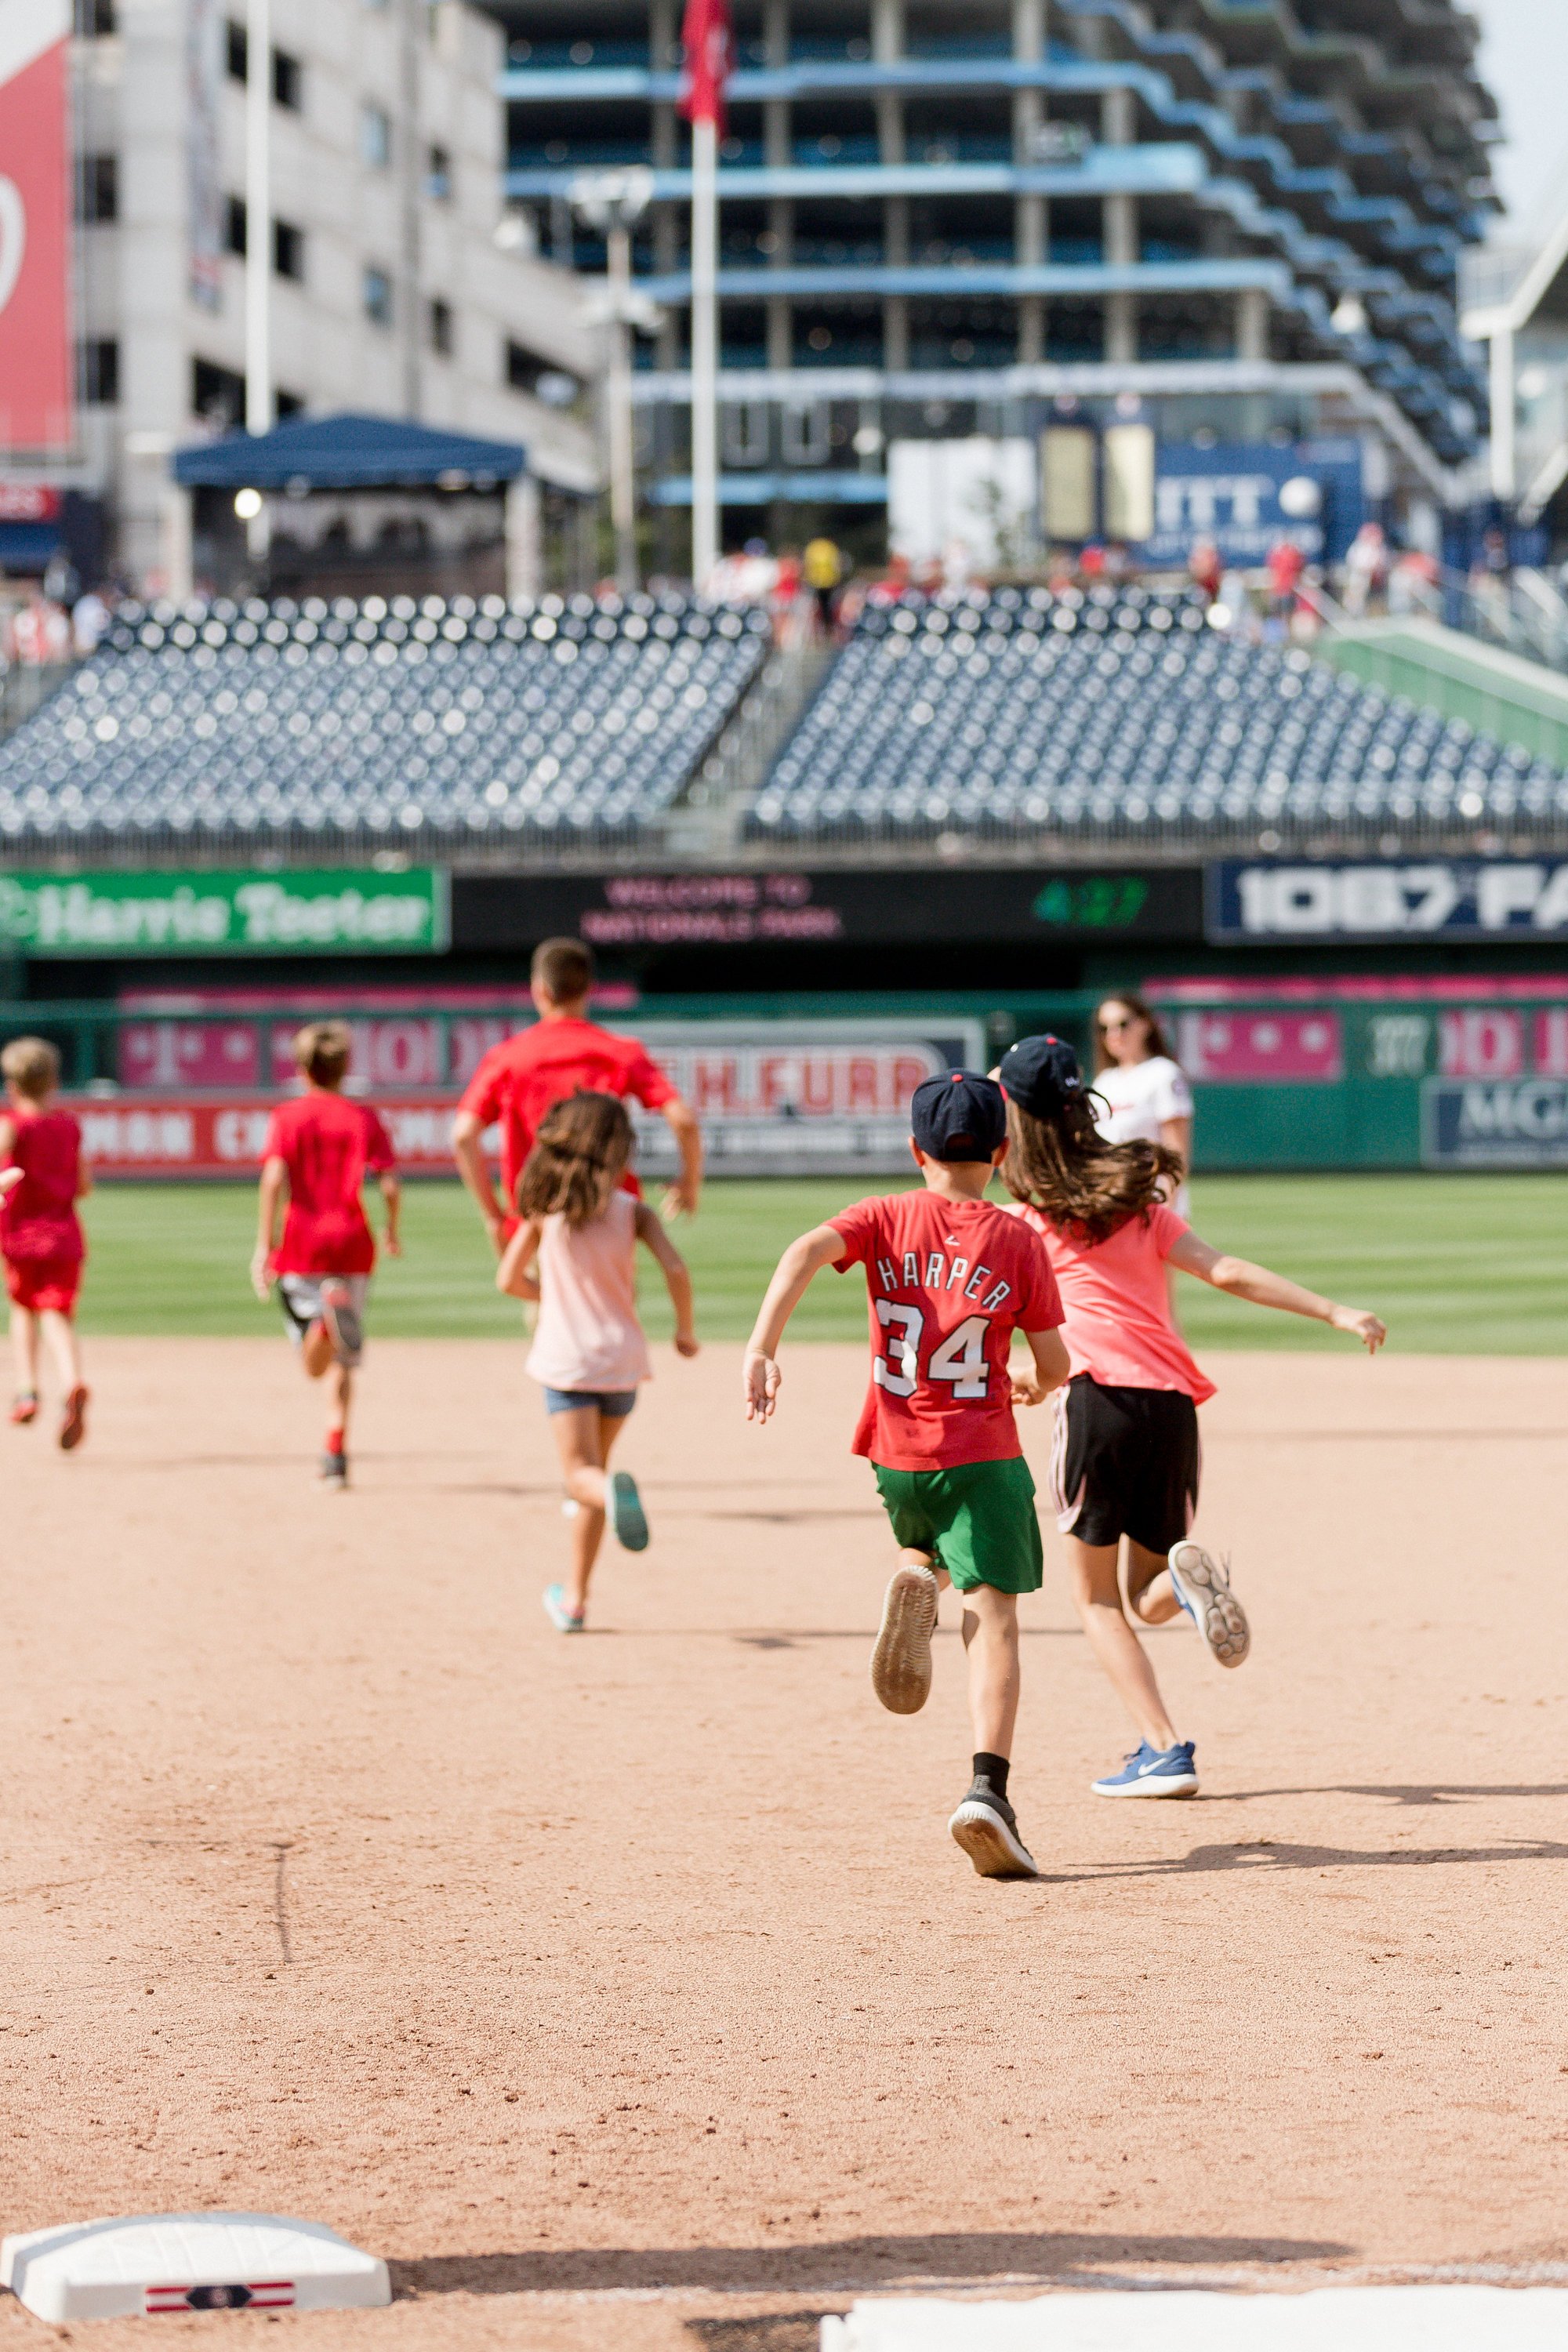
(322, 1149)
(950, 1278)
(40, 1232)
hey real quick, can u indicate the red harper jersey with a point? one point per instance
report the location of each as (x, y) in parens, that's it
(328, 1147)
(39, 1219)
(949, 1283)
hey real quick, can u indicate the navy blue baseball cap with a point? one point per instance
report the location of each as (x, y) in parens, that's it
(959, 1117)
(1041, 1073)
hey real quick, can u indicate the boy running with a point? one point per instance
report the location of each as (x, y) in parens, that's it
(319, 1148)
(950, 1279)
(563, 1054)
(40, 1232)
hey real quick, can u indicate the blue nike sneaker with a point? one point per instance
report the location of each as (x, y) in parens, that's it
(1148, 1774)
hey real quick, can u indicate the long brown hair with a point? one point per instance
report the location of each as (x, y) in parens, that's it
(1140, 1010)
(579, 1156)
(1062, 1165)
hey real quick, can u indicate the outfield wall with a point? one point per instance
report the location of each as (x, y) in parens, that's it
(1307, 1073)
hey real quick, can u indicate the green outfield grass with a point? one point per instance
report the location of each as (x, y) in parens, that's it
(1462, 1264)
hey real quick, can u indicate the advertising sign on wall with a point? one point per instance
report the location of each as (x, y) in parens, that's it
(1515, 1123)
(1390, 899)
(36, 389)
(1248, 496)
(334, 912)
(186, 1134)
(628, 911)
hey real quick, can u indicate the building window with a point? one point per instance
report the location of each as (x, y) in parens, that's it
(218, 393)
(97, 372)
(441, 335)
(289, 251)
(94, 19)
(374, 137)
(376, 294)
(288, 81)
(237, 52)
(235, 240)
(529, 370)
(98, 188)
(438, 175)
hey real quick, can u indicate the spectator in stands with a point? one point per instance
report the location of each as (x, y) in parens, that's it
(823, 571)
(1205, 568)
(1141, 1086)
(1366, 568)
(90, 617)
(1286, 565)
(563, 1054)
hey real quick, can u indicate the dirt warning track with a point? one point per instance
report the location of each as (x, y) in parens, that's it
(628, 1990)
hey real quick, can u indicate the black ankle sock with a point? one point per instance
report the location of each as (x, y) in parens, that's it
(992, 1768)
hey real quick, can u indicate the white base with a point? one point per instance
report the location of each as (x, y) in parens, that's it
(189, 2261)
(1324, 2319)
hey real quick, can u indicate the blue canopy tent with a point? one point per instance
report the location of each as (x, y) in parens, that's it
(348, 453)
(316, 463)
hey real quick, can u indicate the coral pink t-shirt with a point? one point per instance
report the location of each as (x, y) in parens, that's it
(588, 1335)
(1116, 1298)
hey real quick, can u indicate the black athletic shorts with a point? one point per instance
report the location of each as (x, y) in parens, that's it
(1124, 1461)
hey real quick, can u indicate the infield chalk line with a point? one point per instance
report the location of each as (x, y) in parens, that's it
(1275, 2279)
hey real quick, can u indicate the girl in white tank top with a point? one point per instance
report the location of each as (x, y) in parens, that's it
(576, 1252)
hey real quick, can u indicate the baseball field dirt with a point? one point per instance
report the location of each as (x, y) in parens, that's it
(628, 1991)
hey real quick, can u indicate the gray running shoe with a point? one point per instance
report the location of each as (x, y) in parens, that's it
(900, 1662)
(1203, 1587)
(986, 1827)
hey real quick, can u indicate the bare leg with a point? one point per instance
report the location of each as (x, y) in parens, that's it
(583, 1440)
(316, 1350)
(343, 1388)
(60, 1332)
(991, 1639)
(1150, 1595)
(25, 1349)
(1096, 1596)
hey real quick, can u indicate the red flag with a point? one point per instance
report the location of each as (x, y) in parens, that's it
(34, 225)
(709, 40)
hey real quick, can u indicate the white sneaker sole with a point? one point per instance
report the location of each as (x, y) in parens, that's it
(990, 1844)
(1222, 1619)
(1186, 1785)
(900, 1662)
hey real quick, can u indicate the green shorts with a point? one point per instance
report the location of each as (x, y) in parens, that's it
(978, 1519)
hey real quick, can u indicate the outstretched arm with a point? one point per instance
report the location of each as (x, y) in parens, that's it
(515, 1277)
(392, 1198)
(680, 1199)
(1052, 1365)
(1243, 1280)
(469, 1153)
(761, 1377)
(273, 1175)
(677, 1276)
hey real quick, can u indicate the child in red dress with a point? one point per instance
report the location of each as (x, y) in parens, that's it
(40, 1233)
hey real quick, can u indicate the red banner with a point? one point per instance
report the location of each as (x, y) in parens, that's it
(183, 1135)
(707, 34)
(35, 231)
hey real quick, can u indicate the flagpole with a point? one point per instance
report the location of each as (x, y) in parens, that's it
(704, 348)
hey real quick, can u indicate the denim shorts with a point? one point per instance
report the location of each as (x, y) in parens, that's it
(614, 1403)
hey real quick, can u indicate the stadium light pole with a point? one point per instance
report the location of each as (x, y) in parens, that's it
(613, 202)
(709, 42)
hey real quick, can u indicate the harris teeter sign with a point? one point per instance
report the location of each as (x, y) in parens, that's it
(335, 910)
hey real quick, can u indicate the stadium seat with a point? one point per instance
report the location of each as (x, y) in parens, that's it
(578, 723)
(1119, 714)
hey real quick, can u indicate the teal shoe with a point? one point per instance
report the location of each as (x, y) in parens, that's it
(626, 1515)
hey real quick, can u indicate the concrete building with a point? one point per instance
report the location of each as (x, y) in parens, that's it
(390, 292)
(945, 218)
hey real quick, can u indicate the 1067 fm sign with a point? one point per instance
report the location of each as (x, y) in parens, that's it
(1394, 899)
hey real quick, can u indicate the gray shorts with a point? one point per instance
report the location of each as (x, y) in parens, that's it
(300, 1295)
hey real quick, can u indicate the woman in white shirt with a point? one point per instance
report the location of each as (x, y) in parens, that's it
(1145, 1095)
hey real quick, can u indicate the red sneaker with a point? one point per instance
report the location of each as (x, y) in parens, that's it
(24, 1408)
(73, 1428)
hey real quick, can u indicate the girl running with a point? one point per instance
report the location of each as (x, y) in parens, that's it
(1124, 1455)
(581, 1228)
